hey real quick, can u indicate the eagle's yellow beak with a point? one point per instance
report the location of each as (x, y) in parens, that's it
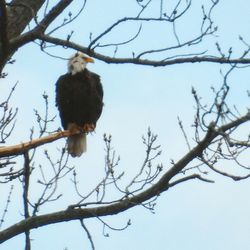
(89, 60)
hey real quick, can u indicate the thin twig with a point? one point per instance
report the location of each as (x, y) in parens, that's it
(88, 235)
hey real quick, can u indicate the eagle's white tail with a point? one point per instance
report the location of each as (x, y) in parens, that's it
(77, 144)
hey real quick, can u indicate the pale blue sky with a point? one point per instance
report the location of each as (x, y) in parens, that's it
(191, 216)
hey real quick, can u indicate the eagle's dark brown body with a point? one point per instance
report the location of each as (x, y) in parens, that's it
(79, 100)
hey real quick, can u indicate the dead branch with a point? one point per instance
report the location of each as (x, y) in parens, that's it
(23, 147)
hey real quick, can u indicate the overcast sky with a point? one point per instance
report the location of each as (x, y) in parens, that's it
(192, 215)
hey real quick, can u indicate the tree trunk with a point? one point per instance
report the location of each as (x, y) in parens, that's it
(13, 21)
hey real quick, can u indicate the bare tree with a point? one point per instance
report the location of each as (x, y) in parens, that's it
(215, 126)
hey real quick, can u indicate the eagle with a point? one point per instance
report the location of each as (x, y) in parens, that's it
(79, 99)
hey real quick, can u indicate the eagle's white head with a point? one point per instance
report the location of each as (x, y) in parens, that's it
(78, 62)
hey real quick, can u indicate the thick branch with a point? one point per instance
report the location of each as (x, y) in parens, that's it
(38, 34)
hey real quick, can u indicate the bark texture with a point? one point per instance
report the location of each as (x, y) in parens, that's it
(14, 18)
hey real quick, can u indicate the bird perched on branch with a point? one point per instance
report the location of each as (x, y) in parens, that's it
(79, 96)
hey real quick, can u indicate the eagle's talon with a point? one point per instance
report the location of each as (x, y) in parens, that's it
(88, 128)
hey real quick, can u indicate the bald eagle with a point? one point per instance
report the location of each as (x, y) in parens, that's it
(79, 96)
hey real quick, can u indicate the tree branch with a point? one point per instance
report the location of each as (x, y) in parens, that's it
(191, 177)
(125, 19)
(23, 147)
(26, 183)
(211, 134)
(138, 61)
(38, 34)
(88, 235)
(233, 177)
(129, 202)
(54, 13)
